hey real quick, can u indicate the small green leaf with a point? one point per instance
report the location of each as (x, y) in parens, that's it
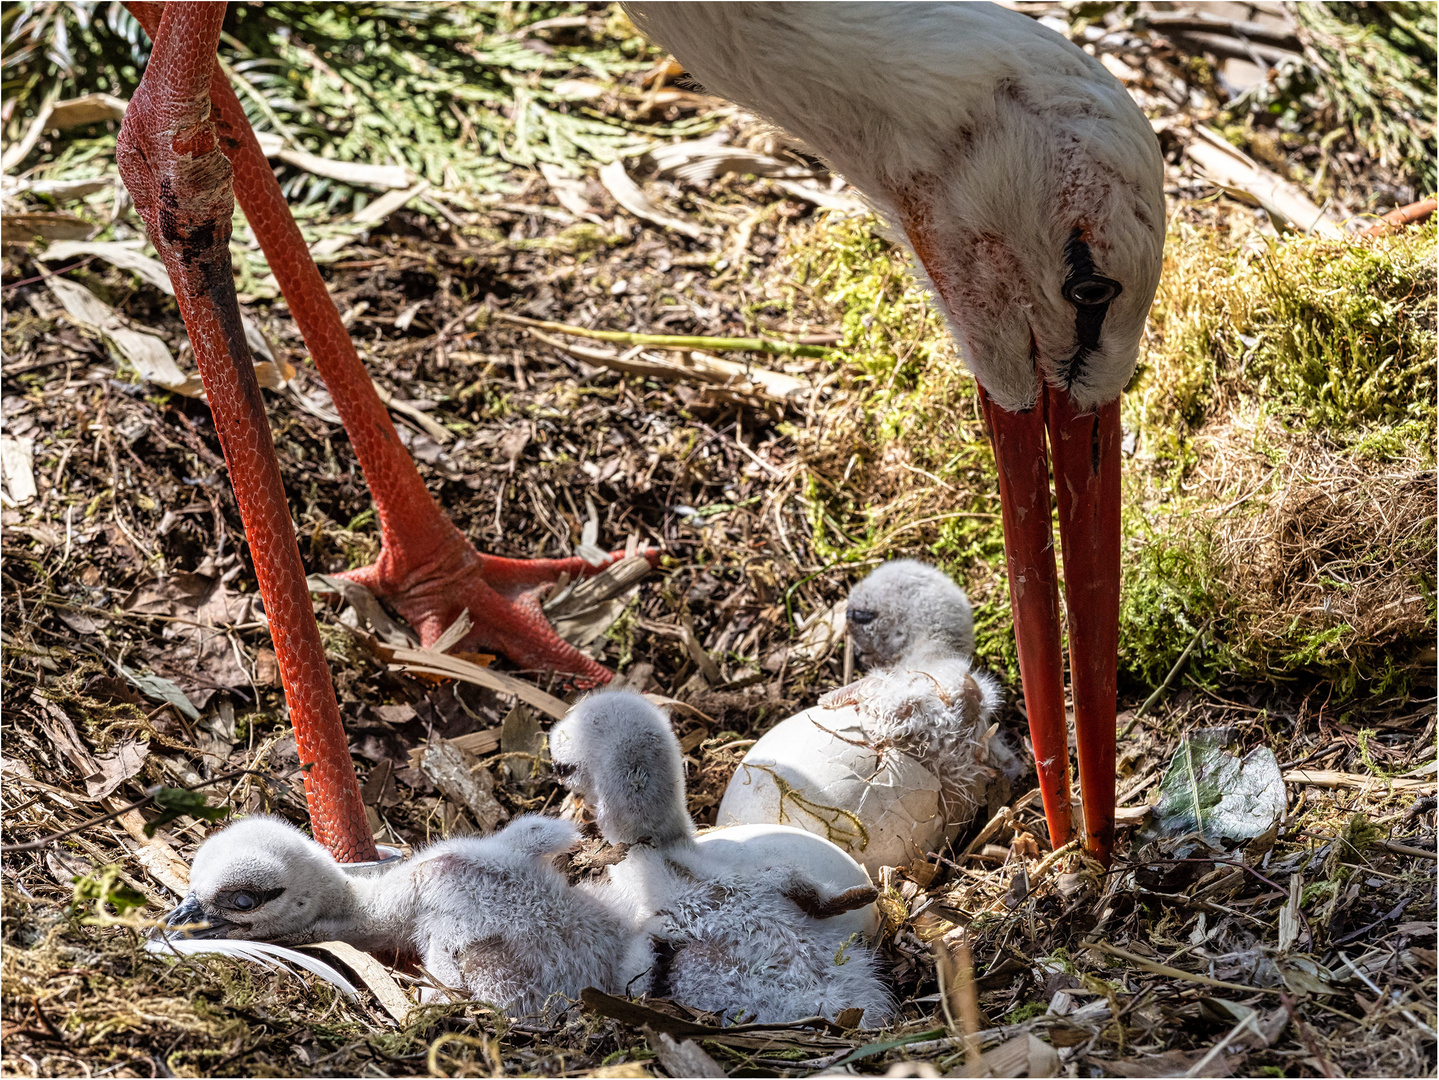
(176, 801)
(161, 689)
(103, 887)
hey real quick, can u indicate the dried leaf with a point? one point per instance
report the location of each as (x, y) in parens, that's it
(630, 196)
(375, 975)
(17, 469)
(87, 110)
(1289, 922)
(1216, 794)
(464, 781)
(681, 1058)
(161, 689)
(522, 737)
(367, 608)
(146, 353)
(124, 761)
(429, 662)
(387, 204)
(698, 160)
(21, 228)
(583, 612)
(347, 172)
(60, 730)
(272, 373)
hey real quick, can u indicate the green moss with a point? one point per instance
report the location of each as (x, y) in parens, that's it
(1347, 335)
(1027, 1011)
(1286, 357)
(1167, 595)
(1337, 336)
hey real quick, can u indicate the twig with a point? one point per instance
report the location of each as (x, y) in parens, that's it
(1153, 698)
(1393, 996)
(1405, 849)
(150, 793)
(1395, 219)
(1308, 929)
(1048, 862)
(1307, 1038)
(1197, 1069)
(968, 1006)
(1181, 22)
(673, 341)
(1174, 972)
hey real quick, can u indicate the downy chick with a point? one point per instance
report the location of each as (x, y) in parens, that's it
(763, 927)
(490, 917)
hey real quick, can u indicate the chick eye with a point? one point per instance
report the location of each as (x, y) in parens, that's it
(861, 616)
(246, 899)
(1091, 291)
(562, 768)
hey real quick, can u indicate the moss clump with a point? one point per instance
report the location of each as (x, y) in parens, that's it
(1278, 375)
(1336, 336)
(1285, 415)
(1168, 595)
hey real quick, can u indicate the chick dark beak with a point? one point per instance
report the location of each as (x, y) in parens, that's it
(1085, 448)
(191, 921)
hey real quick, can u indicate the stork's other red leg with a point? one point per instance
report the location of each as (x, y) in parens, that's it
(427, 568)
(180, 182)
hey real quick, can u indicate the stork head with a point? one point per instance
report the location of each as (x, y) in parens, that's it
(262, 879)
(1025, 179)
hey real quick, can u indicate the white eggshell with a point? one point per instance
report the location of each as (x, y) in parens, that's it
(883, 807)
(757, 846)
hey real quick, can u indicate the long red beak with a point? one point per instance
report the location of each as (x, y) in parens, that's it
(1085, 449)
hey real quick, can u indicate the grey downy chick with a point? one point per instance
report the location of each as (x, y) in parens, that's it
(738, 931)
(913, 630)
(490, 917)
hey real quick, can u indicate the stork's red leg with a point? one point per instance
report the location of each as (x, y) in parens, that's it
(427, 568)
(1086, 479)
(180, 182)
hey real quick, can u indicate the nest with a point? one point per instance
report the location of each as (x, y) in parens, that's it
(1339, 559)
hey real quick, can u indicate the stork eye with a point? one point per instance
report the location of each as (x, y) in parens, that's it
(246, 899)
(861, 616)
(563, 768)
(1091, 291)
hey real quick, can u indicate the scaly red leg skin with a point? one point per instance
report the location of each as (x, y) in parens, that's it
(180, 183)
(427, 568)
(1023, 464)
(1086, 478)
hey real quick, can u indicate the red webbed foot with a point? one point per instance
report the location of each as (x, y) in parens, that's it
(502, 596)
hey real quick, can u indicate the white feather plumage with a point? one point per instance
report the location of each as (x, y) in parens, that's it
(489, 916)
(973, 125)
(274, 957)
(730, 918)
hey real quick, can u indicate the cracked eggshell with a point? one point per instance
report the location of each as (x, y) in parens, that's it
(881, 806)
(756, 846)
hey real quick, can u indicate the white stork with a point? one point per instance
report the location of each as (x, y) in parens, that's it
(1030, 188)
(1027, 183)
